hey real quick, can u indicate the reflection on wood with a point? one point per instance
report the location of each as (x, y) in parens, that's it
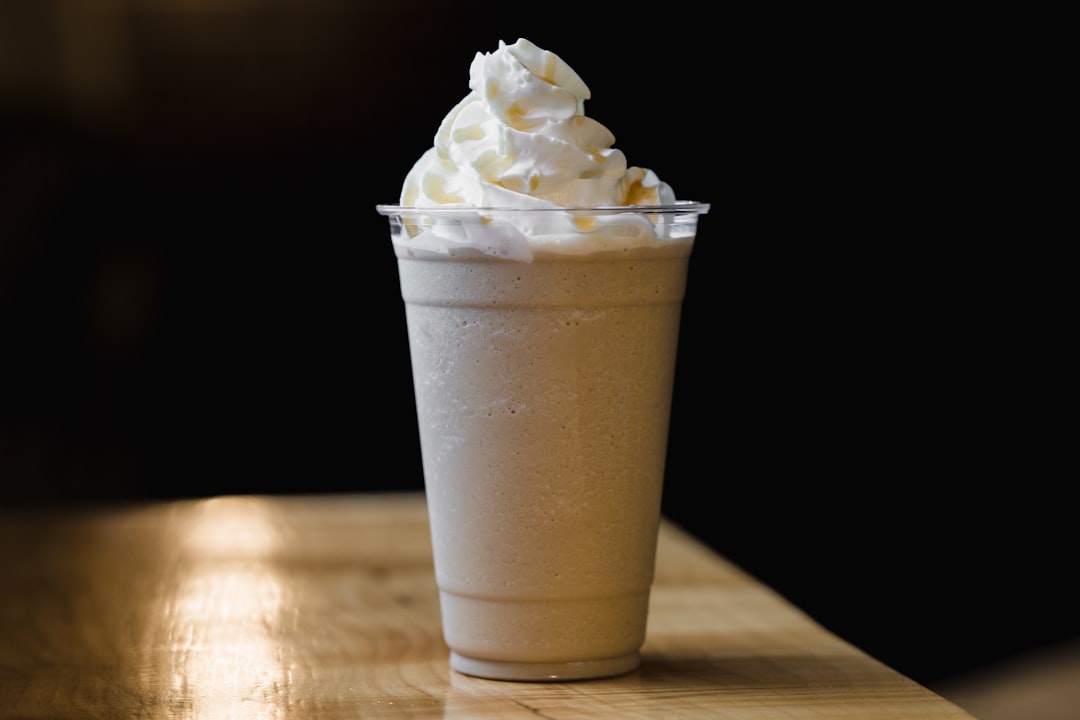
(296, 607)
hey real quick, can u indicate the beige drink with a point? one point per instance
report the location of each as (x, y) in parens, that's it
(543, 277)
(543, 393)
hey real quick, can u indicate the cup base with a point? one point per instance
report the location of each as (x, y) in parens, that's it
(545, 671)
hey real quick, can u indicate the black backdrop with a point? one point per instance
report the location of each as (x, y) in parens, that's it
(197, 296)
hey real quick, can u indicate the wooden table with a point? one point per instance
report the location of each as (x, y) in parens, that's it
(326, 607)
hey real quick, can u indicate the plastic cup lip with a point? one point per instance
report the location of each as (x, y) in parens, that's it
(679, 207)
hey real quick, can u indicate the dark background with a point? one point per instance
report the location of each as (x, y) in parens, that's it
(197, 296)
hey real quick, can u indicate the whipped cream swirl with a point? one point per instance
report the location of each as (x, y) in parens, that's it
(521, 138)
(520, 141)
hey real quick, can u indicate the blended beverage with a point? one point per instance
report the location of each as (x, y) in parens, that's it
(543, 393)
(543, 343)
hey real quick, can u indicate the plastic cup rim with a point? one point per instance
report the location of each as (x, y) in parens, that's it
(678, 207)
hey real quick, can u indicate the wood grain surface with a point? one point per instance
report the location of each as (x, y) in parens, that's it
(326, 607)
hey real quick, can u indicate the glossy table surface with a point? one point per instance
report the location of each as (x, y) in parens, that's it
(276, 607)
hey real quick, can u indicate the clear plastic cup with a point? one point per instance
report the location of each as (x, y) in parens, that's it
(543, 347)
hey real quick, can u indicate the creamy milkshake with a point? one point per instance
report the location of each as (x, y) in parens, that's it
(543, 340)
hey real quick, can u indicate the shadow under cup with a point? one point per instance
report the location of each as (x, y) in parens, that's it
(543, 348)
